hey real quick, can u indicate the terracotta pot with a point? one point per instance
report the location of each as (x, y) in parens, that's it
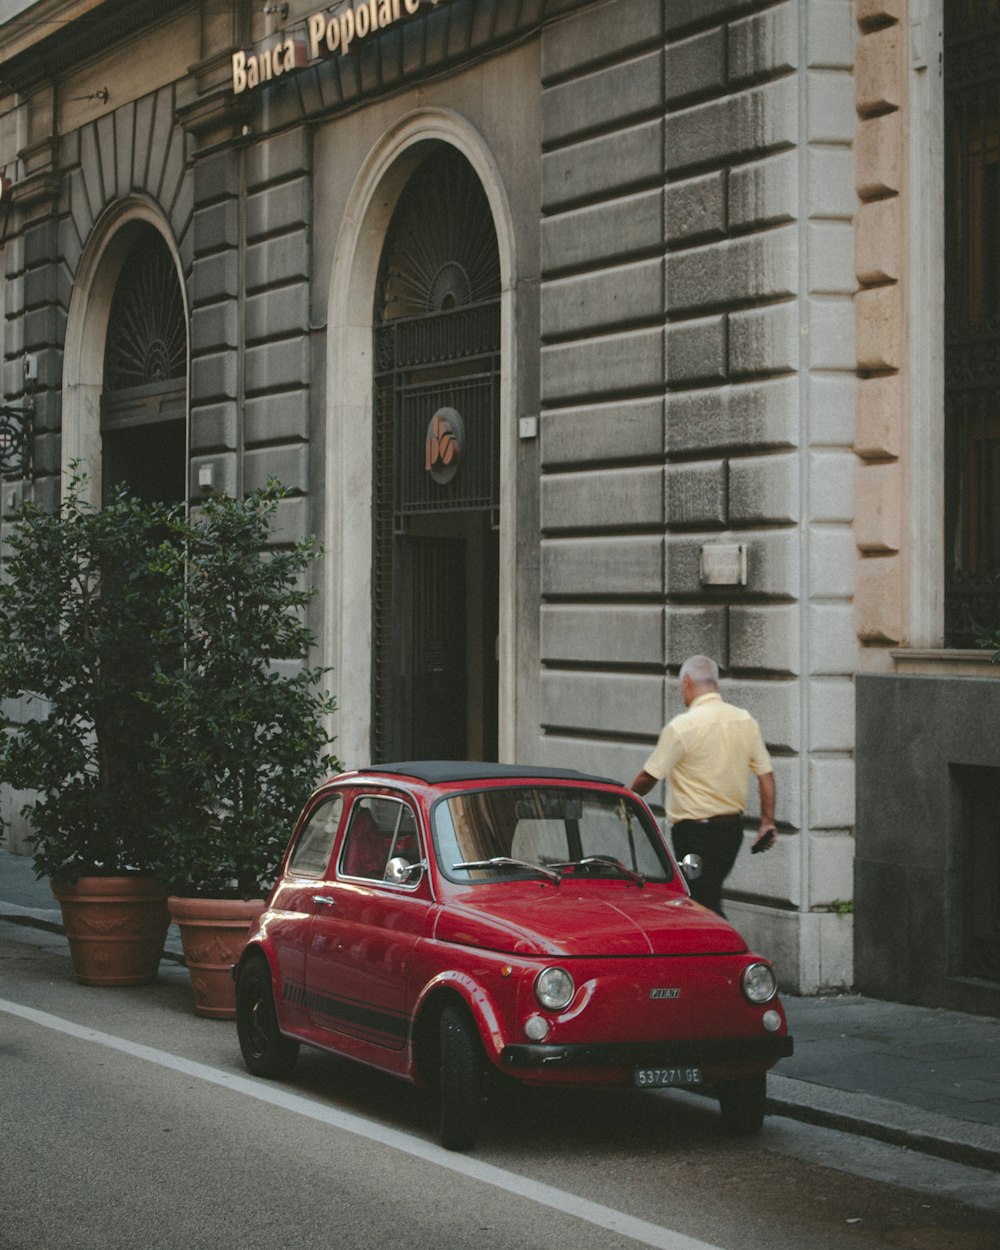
(213, 933)
(115, 926)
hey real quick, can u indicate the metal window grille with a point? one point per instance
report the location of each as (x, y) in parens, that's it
(972, 321)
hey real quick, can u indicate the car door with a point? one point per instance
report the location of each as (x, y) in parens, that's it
(307, 868)
(365, 928)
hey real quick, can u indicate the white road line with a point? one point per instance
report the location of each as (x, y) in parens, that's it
(641, 1231)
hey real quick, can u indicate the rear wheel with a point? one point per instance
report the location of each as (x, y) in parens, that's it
(266, 1052)
(461, 1080)
(742, 1104)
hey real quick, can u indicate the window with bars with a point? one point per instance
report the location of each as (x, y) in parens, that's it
(972, 321)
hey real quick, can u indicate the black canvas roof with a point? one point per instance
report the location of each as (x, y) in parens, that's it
(438, 771)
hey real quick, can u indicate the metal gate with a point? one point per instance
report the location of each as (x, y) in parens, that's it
(972, 321)
(436, 451)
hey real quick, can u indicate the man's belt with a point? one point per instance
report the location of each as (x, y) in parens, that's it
(710, 820)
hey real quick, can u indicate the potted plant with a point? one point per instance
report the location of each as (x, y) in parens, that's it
(82, 596)
(244, 727)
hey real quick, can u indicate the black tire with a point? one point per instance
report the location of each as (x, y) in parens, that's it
(266, 1052)
(461, 1081)
(742, 1104)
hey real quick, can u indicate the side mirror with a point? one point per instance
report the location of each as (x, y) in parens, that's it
(399, 871)
(691, 867)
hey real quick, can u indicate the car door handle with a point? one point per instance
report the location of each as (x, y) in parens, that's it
(323, 901)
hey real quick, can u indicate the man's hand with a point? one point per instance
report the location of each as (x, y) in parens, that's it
(765, 839)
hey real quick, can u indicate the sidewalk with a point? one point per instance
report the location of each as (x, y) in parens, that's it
(918, 1077)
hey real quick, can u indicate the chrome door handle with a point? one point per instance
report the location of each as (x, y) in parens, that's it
(323, 901)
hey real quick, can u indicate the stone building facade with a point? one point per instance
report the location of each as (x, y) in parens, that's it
(675, 265)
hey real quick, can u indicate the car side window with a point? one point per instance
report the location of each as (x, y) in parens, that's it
(379, 828)
(315, 842)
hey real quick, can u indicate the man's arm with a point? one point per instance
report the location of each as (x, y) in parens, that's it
(643, 782)
(767, 827)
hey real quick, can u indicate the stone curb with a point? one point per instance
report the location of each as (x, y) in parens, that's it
(961, 1141)
(51, 922)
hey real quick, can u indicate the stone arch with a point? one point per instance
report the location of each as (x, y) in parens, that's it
(348, 470)
(86, 330)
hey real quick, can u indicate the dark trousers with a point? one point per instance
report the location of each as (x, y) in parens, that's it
(717, 842)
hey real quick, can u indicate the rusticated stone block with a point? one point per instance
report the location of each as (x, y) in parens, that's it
(598, 34)
(764, 192)
(613, 95)
(755, 267)
(758, 414)
(610, 297)
(764, 637)
(878, 156)
(878, 241)
(831, 793)
(614, 702)
(621, 430)
(602, 499)
(764, 490)
(879, 417)
(879, 77)
(612, 363)
(833, 644)
(696, 351)
(878, 516)
(631, 565)
(872, 12)
(832, 561)
(598, 167)
(696, 494)
(695, 209)
(764, 340)
(602, 634)
(764, 45)
(831, 485)
(750, 121)
(831, 714)
(878, 599)
(695, 631)
(696, 65)
(879, 314)
(602, 232)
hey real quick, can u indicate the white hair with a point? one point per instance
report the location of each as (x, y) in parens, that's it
(701, 670)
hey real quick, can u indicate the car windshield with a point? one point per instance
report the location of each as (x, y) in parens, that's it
(548, 832)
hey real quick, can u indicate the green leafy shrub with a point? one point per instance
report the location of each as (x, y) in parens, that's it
(168, 720)
(245, 733)
(80, 607)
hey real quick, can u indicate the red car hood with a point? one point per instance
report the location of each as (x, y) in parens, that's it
(596, 919)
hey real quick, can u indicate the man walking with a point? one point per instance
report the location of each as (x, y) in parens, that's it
(706, 754)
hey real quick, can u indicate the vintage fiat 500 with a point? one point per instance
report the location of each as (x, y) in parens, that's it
(448, 922)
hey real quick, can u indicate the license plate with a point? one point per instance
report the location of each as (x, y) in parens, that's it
(660, 1078)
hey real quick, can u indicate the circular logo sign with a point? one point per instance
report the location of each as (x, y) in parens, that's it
(443, 446)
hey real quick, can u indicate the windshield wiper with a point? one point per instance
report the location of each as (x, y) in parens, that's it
(604, 861)
(505, 861)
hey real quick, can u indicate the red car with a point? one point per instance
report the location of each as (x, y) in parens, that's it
(447, 922)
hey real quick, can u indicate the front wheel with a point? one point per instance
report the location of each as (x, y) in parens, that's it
(266, 1051)
(461, 1080)
(742, 1104)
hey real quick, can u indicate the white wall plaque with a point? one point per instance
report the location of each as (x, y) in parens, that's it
(724, 564)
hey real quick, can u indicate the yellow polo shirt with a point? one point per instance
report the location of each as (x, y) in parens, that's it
(706, 754)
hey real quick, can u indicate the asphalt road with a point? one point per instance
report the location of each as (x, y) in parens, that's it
(126, 1120)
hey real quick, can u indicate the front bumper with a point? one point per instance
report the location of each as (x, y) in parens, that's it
(704, 1052)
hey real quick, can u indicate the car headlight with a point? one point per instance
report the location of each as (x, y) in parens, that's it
(758, 983)
(554, 988)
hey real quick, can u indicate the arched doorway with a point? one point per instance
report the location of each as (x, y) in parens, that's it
(143, 402)
(436, 476)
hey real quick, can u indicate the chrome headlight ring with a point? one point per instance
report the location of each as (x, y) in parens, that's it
(758, 983)
(554, 989)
